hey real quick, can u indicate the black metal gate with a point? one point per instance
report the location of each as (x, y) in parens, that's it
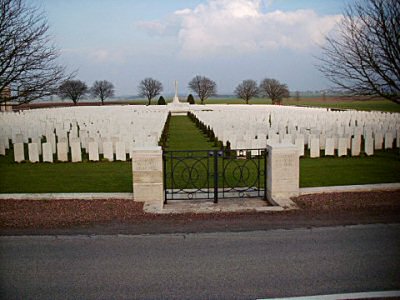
(214, 174)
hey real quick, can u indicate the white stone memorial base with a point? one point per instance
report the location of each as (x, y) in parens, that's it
(283, 174)
(148, 182)
(178, 109)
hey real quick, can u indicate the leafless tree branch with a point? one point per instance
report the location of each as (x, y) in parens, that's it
(72, 89)
(28, 65)
(150, 88)
(364, 58)
(247, 90)
(102, 89)
(275, 90)
(203, 87)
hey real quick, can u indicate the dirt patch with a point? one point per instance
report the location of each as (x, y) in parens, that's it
(127, 217)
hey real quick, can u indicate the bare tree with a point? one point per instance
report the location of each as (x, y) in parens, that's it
(28, 67)
(203, 87)
(72, 89)
(275, 90)
(102, 89)
(364, 57)
(150, 88)
(247, 90)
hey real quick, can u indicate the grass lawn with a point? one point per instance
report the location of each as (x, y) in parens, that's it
(64, 177)
(367, 105)
(184, 135)
(383, 167)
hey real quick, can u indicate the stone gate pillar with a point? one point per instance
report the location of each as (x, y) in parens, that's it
(283, 173)
(148, 180)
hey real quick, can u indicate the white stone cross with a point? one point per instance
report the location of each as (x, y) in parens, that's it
(176, 99)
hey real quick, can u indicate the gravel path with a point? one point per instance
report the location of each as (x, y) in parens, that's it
(127, 217)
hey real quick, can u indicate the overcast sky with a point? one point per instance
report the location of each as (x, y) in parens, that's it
(124, 41)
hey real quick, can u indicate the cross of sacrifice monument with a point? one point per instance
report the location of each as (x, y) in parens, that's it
(176, 99)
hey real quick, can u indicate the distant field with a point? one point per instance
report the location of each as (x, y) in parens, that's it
(338, 103)
(328, 102)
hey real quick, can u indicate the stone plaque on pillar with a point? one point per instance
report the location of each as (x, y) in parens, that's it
(147, 169)
(283, 172)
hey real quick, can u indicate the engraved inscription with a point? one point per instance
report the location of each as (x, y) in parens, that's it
(147, 164)
(285, 161)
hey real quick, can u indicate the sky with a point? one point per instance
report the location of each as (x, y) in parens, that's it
(125, 41)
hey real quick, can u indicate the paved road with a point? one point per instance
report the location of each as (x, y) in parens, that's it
(242, 265)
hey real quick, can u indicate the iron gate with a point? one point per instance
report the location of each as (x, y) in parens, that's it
(214, 174)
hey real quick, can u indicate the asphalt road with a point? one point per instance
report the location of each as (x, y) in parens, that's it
(243, 265)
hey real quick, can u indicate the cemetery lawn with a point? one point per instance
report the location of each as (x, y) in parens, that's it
(382, 167)
(100, 177)
(329, 102)
(184, 135)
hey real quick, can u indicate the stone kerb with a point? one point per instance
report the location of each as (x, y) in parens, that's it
(283, 173)
(148, 181)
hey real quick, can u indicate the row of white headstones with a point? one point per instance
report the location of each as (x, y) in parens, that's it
(112, 132)
(64, 134)
(320, 130)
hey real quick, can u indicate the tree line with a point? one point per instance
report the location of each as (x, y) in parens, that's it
(361, 58)
(202, 86)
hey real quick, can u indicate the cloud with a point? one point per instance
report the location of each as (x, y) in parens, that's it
(236, 27)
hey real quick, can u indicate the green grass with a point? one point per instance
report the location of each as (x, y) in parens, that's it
(64, 177)
(344, 103)
(383, 167)
(367, 105)
(184, 135)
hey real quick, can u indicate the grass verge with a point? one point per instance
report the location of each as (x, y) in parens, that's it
(383, 167)
(64, 177)
(184, 135)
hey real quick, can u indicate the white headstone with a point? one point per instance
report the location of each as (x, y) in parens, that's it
(369, 146)
(114, 140)
(93, 151)
(378, 141)
(19, 154)
(342, 146)
(51, 138)
(19, 138)
(322, 141)
(330, 146)
(314, 147)
(62, 151)
(33, 152)
(38, 141)
(108, 151)
(2, 148)
(76, 151)
(355, 146)
(299, 142)
(120, 151)
(388, 140)
(47, 152)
